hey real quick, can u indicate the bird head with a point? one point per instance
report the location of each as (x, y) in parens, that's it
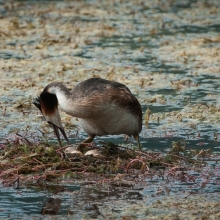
(48, 105)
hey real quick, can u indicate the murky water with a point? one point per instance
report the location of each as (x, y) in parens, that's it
(167, 54)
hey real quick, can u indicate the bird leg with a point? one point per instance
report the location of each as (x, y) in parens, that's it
(136, 137)
(88, 140)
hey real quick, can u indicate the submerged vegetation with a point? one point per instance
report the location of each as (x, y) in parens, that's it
(111, 171)
(167, 53)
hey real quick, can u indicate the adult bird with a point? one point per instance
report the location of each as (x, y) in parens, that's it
(103, 107)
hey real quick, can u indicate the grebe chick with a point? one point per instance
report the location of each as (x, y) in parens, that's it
(103, 107)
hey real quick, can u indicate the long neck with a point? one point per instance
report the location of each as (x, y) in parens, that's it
(61, 92)
(65, 99)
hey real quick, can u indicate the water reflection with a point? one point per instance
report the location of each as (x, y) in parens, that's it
(135, 46)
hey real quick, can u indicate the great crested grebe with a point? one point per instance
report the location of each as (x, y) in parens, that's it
(103, 107)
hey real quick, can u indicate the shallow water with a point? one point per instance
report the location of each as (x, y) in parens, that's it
(166, 53)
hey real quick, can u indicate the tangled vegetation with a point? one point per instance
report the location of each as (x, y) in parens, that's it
(25, 163)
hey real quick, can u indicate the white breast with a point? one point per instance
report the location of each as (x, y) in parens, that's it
(113, 120)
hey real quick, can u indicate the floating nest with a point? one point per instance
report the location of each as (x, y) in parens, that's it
(36, 164)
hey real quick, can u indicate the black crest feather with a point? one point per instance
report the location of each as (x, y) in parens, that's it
(37, 103)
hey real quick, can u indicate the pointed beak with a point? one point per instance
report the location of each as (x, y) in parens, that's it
(54, 120)
(56, 131)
